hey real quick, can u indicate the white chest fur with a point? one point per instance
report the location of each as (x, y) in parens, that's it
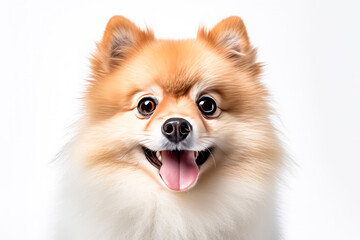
(130, 205)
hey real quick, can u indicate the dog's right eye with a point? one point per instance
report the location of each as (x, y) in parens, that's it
(147, 106)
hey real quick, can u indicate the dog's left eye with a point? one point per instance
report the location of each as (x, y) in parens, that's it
(207, 105)
(147, 106)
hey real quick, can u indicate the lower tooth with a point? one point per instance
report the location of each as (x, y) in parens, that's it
(158, 155)
(196, 154)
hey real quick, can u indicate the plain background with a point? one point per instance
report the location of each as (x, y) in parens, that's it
(311, 50)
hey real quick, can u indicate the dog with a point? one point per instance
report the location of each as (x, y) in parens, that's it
(176, 140)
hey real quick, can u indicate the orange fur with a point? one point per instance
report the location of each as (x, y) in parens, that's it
(176, 66)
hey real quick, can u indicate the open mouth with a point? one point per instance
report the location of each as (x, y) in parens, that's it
(178, 169)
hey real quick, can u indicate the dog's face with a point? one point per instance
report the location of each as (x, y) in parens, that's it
(178, 111)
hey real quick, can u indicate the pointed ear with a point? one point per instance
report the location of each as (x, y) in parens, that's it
(121, 38)
(229, 35)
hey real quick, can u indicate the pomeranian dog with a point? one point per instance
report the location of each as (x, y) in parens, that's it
(176, 140)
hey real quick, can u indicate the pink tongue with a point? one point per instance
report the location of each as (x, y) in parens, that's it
(178, 171)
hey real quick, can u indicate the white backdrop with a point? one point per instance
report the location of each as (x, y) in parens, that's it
(311, 50)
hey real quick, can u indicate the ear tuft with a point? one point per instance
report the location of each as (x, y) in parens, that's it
(121, 38)
(229, 35)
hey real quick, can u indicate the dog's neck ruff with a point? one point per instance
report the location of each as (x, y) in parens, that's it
(139, 208)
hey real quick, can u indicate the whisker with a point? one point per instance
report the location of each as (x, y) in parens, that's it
(212, 156)
(128, 151)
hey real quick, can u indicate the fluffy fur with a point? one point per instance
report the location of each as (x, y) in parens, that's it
(112, 192)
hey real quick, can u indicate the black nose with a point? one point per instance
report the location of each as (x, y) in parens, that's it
(176, 129)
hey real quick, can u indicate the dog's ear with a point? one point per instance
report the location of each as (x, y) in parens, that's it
(229, 36)
(121, 39)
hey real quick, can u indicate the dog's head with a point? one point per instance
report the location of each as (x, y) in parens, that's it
(178, 109)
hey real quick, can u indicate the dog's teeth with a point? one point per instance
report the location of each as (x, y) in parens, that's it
(158, 155)
(196, 154)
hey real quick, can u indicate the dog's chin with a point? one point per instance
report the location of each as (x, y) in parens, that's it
(178, 169)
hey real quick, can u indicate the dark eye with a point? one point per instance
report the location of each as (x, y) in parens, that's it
(207, 105)
(147, 106)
